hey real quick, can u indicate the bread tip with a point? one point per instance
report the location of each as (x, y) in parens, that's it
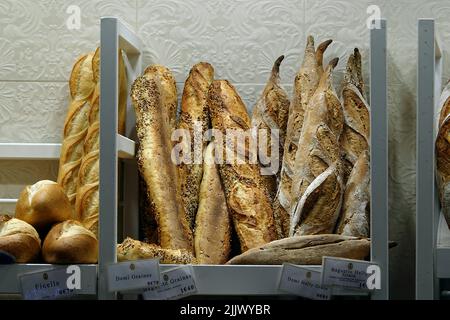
(333, 63)
(310, 40)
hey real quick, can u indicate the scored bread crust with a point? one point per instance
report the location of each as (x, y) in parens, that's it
(19, 239)
(130, 250)
(271, 113)
(70, 242)
(212, 240)
(194, 109)
(247, 199)
(155, 163)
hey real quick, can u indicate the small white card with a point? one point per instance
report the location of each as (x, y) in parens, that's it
(302, 282)
(131, 275)
(349, 273)
(46, 285)
(174, 284)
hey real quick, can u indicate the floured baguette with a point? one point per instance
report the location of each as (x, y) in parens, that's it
(81, 81)
(194, 119)
(306, 83)
(271, 113)
(247, 199)
(317, 183)
(356, 133)
(355, 216)
(154, 160)
(130, 250)
(305, 250)
(212, 239)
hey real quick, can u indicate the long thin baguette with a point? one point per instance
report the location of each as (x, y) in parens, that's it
(306, 83)
(130, 250)
(317, 183)
(247, 199)
(443, 166)
(155, 163)
(305, 250)
(212, 238)
(269, 114)
(194, 119)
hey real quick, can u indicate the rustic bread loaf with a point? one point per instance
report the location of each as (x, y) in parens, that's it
(212, 238)
(70, 242)
(317, 182)
(19, 239)
(443, 166)
(130, 250)
(153, 115)
(247, 199)
(305, 84)
(193, 119)
(306, 250)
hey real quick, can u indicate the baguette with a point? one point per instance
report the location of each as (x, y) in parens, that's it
(212, 238)
(317, 183)
(130, 250)
(443, 166)
(355, 216)
(247, 199)
(271, 113)
(81, 82)
(154, 160)
(194, 113)
(305, 84)
(356, 133)
(305, 250)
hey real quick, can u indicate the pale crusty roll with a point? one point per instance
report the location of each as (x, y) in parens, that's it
(317, 184)
(305, 84)
(70, 242)
(19, 239)
(130, 250)
(306, 250)
(212, 238)
(43, 204)
(194, 119)
(81, 85)
(247, 199)
(355, 216)
(271, 113)
(356, 133)
(155, 163)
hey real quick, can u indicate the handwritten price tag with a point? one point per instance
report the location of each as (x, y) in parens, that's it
(46, 285)
(302, 282)
(175, 284)
(133, 275)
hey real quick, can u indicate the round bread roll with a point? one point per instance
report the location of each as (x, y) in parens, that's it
(43, 204)
(19, 239)
(70, 242)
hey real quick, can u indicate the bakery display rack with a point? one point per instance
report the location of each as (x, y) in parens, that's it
(432, 232)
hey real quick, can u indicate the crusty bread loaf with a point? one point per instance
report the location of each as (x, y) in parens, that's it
(19, 239)
(444, 104)
(271, 113)
(317, 182)
(81, 81)
(155, 163)
(193, 119)
(70, 242)
(43, 204)
(247, 199)
(305, 84)
(130, 250)
(443, 166)
(355, 216)
(212, 239)
(306, 250)
(356, 133)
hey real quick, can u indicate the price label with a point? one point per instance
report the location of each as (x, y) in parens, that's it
(175, 284)
(131, 275)
(349, 273)
(47, 285)
(302, 282)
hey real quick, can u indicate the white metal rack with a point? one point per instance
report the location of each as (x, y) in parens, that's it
(432, 233)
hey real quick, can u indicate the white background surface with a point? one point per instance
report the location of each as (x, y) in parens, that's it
(241, 39)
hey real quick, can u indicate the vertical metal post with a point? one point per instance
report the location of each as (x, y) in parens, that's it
(109, 43)
(379, 157)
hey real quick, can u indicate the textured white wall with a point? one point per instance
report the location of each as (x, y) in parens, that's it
(241, 39)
